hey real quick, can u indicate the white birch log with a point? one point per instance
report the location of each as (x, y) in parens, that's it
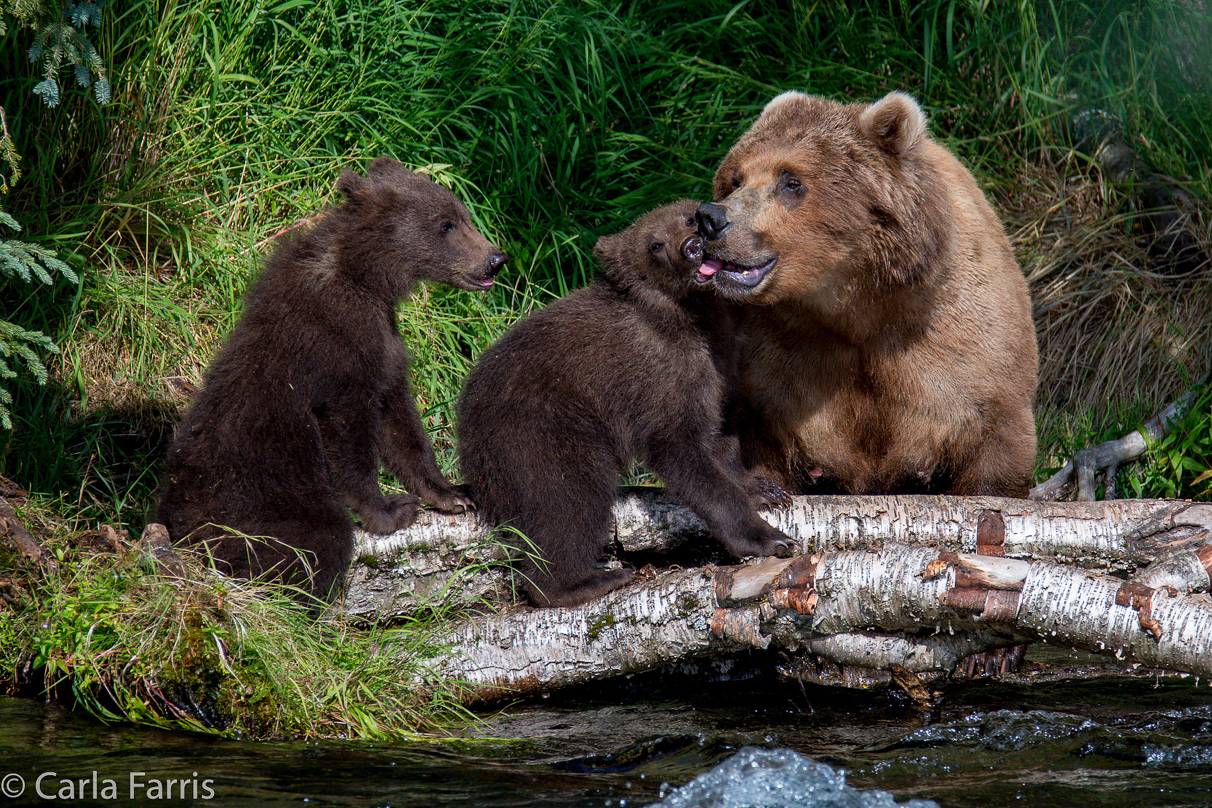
(392, 574)
(1075, 608)
(1184, 571)
(832, 604)
(529, 651)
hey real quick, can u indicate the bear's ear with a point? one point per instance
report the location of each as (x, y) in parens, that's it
(352, 186)
(388, 167)
(606, 250)
(381, 165)
(895, 123)
(790, 97)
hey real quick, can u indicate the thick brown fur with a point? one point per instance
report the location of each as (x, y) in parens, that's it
(619, 370)
(311, 391)
(890, 345)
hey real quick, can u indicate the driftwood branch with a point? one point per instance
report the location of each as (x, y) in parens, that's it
(25, 543)
(1081, 473)
(897, 583)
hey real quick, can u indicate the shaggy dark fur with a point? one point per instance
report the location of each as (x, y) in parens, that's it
(311, 392)
(621, 369)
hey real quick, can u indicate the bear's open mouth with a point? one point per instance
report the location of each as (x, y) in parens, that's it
(692, 248)
(733, 274)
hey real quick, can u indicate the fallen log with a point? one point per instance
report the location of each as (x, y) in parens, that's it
(392, 575)
(25, 543)
(831, 603)
(908, 584)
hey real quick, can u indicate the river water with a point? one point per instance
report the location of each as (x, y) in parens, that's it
(1109, 741)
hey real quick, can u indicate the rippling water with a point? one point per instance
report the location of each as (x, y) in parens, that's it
(1105, 742)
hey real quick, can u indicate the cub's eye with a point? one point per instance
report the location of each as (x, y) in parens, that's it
(736, 180)
(791, 183)
(446, 227)
(690, 222)
(656, 247)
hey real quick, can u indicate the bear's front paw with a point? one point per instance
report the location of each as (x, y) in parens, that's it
(397, 513)
(451, 501)
(764, 541)
(766, 493)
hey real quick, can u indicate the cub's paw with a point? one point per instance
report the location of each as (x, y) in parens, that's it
(589, 588)
(782, 546)
(452, 501)
(397, 512)
(446, 497)
(764, 541)
(766, 493)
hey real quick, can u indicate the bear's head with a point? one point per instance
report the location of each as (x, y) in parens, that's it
(409, 228)
(823, 203)
(661, 250)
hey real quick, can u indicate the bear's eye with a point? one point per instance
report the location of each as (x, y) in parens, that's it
(656, 247)
(736, 180)
(690, 222)
(791, 183)
(446, 227)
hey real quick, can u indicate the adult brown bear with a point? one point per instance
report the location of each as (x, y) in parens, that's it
(311, 392)
(628, 367)
(891, 348)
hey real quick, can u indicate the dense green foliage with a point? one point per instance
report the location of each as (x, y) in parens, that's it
(556, 122)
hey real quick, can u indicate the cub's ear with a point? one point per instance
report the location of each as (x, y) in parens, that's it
(387, 167)
(352, 186)
(606, 251)
(895, 123)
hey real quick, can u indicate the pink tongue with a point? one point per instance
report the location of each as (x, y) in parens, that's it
(710, 266)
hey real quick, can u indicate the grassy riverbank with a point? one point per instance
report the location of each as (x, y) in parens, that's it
(119, 629)
(556, 123)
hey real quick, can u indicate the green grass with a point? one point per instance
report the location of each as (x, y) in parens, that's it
(111, 633)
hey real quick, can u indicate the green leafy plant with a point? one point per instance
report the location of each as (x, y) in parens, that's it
(19, 348)
(1179, 465)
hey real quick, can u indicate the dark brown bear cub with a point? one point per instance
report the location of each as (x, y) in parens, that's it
(311, 393)
(619, 370)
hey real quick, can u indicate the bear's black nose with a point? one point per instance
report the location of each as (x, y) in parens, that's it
(495, 262)
(712, 219)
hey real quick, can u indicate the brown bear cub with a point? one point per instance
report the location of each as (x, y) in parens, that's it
(889, 340)
(618, 370)
(311, 391)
